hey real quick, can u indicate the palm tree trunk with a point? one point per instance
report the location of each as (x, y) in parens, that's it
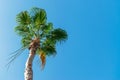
(28, 75)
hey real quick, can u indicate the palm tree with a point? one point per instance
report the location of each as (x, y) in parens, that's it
(38, 35)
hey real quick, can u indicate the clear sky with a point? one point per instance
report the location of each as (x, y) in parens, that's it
(92, 51)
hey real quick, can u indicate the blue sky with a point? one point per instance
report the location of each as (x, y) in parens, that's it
(91, 52)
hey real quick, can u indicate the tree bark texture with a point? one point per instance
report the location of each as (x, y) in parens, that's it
(28, 68)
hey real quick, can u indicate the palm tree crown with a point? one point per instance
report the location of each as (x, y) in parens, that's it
(34, 29)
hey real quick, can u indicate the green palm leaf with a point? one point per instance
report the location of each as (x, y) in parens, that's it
(26, 41)
(39, 17)
(48, 46)
(23, 18)
(22, 30)
(58, 35)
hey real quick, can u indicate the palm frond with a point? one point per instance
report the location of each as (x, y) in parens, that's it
(26, 41)
(42, 57)
(58, 35)
(39, 16)
(23, 18)
(22, 30)
(47, 29)
(14, 55)
(49, 49)
(43, 60)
